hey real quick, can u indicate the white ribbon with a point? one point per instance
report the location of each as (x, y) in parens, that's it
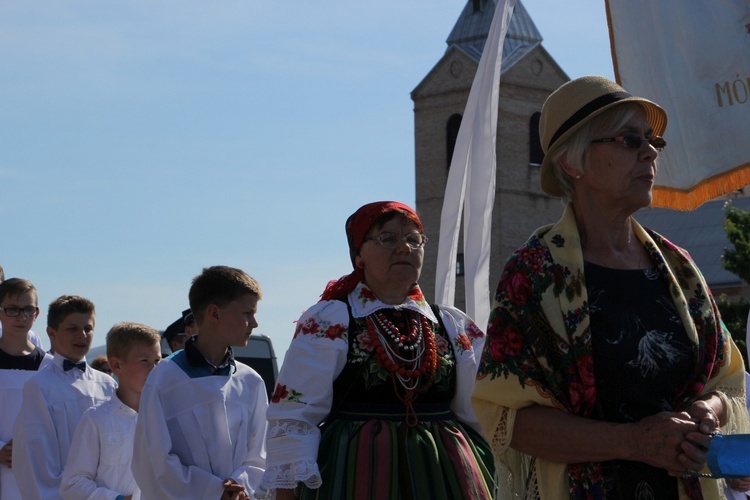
(471, 181)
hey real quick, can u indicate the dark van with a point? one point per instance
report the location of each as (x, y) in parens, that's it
(259, 355)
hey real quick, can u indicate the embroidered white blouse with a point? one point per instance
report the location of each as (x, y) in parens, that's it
(318, 354)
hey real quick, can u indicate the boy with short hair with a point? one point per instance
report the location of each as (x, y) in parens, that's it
(55, 398)
(19, 360)
(102, 448)
(33, 337)
(201, 426)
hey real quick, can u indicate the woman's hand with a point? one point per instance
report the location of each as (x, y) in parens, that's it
(233, 490)
(285, 494)
(694, 451)
(739, 484)
(668, 440)
(6, 454)
(706, 413)
(658, 440)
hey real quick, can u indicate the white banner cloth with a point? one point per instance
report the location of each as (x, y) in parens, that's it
(693, 59)
(471, 181)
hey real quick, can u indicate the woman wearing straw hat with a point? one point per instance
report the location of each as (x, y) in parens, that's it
(373, 399)
(606, 367)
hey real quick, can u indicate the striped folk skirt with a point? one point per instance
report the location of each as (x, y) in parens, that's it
(371, 453)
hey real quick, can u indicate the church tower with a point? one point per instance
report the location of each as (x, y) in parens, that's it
(528, 76)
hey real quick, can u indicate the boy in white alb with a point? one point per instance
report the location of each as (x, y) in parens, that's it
(201, 425)
(102, 448)
(55, 398)
(19, 360)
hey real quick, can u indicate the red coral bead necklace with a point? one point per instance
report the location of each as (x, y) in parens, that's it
(419, 342)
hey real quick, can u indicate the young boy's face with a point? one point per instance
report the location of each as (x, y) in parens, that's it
(73, 336)
(237, 320)
(20, 324)
(133, 371)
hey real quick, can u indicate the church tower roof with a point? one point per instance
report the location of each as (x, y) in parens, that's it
(471, 30)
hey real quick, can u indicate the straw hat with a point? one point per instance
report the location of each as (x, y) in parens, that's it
(572, 105)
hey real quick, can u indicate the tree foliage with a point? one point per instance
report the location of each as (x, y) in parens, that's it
(737, 227)
(734, 316)
(737, 261)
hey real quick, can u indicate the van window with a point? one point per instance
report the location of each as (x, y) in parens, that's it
(260, 356)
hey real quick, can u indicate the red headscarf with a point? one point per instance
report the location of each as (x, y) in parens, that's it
(357, 226)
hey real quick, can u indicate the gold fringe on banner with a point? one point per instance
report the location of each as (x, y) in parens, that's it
(720, 184)
(708, 189)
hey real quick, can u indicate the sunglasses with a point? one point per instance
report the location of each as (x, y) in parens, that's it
(635, 141)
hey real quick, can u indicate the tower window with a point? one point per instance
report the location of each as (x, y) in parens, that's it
(460, 264)
(536, 155)
(451, 135)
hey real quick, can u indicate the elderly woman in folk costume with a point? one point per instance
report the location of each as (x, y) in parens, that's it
(607, 367)
(373, 399)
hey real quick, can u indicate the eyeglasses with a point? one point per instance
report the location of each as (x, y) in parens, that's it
(13, 312)
(390, 240)
(634, 141)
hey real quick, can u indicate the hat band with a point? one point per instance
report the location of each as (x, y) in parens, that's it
(585, 111)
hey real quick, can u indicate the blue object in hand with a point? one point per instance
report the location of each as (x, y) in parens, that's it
(729, 455)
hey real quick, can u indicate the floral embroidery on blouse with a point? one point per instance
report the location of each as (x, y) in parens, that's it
(281, 393)
(473, 331)
(416, 295)
(365, 295)
(463, 343)
(324, 329)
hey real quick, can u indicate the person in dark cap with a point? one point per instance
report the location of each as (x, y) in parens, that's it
(180, 331)
(191, 326)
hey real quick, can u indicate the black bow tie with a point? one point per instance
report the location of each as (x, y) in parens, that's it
(69, 365)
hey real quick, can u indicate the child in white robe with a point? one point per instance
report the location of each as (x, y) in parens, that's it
(102, 448)
(19, 360)
(55, 398)
(201, 425)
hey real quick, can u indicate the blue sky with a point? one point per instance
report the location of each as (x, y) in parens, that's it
(142, 140)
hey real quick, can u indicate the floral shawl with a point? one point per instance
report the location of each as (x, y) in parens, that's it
(538, 351)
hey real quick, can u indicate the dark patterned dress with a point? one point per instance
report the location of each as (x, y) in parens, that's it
(642, 356)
